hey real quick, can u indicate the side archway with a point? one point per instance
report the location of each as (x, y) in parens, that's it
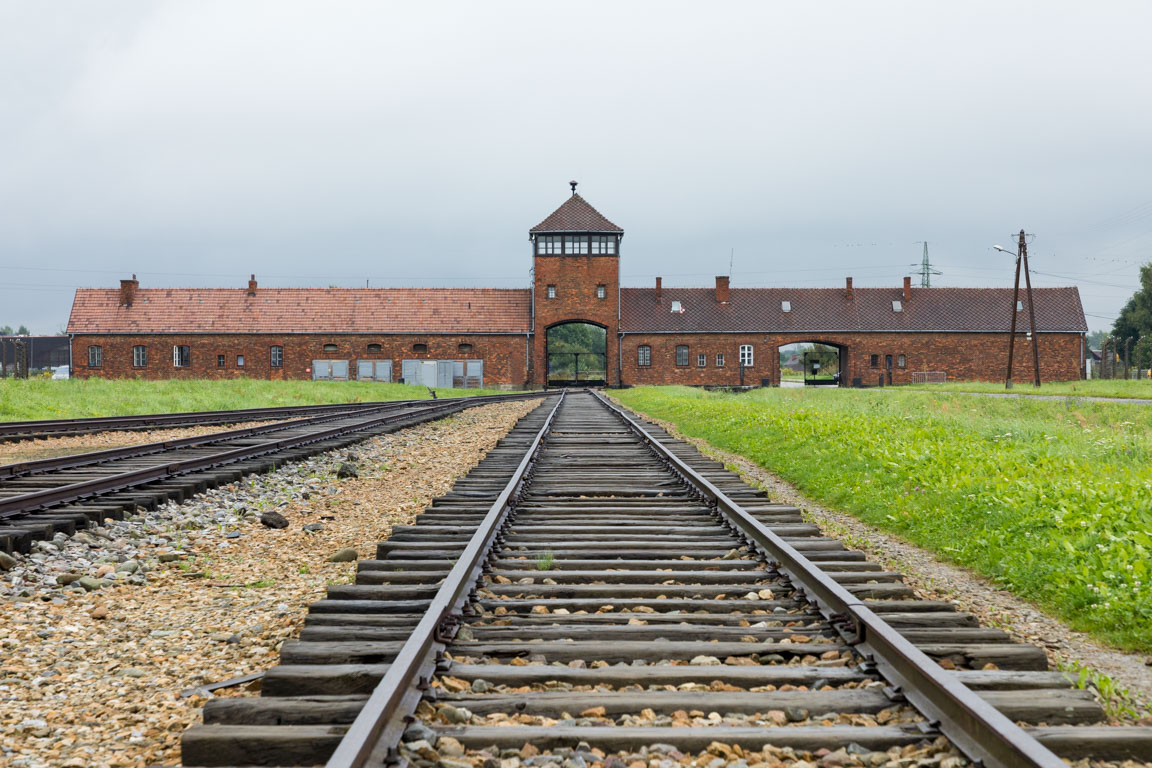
(813, 364)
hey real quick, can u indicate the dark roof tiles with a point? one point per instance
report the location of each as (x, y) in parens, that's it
(575, 215)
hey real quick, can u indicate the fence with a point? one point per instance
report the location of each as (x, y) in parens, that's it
(1128, 358)
(929, 377)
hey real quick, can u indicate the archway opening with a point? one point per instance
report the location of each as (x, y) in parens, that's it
(811, 364)
(577, 355)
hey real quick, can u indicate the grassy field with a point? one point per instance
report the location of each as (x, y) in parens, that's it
(77, 398)
(1052, 500)
(1091, 388)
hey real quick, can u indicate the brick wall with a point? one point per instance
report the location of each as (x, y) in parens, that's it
(575, 279)
(981, 356)
(504, 356)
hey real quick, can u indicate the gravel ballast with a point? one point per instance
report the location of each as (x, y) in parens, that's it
(91, 671)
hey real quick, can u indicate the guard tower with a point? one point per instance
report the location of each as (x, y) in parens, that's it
(575, 296)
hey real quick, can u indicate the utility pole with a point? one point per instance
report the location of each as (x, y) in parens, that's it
(926, 270)
(1031, 315)
(1022, 258)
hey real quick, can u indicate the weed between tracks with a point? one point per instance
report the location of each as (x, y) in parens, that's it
(1051, 500)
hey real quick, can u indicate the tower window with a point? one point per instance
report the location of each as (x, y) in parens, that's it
(604, 244)
(682, 354)
(548, 244)
(575, 244)
(601, 291)
(644, 355)
(551, 291)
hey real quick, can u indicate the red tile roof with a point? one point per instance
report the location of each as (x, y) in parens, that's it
(575, 215)
(829, 309)
(303, 310)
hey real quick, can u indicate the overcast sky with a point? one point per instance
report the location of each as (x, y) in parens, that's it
(414, 144)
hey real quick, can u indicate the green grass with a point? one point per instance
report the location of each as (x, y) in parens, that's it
(1091, 388)
(78, 398)
(1050, 499)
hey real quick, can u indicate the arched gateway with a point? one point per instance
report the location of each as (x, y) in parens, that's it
(577, 355)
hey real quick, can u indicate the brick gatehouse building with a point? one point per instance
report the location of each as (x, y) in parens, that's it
(510, 337)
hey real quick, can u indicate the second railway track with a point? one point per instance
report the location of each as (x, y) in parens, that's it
(598, 591)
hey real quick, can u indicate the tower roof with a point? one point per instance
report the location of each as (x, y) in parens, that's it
(575, 215)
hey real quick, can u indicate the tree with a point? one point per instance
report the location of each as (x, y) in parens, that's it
(1136, 318)
(1095, 338)
(23, 331)
(5, 330)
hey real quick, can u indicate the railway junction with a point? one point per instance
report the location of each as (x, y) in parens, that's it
(594, 593)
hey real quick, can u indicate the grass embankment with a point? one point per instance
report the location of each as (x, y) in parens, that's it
(1132, 388)
(79, 398)
(1052, 500)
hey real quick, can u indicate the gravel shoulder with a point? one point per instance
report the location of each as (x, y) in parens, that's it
(50, 448)
(93, 678)
(933, 579)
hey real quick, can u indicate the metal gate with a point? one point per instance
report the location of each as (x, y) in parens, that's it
(374, 370)
(329, 370)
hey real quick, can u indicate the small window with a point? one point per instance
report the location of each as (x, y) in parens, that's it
(575, 244)
(276, 356)
(464, 348)
(373, 349)
(720, 360)
(182, 356)
(601, 291)
(746, 355)
(548, 244)
(95, 356)
(785, 306)
(221, 361)
(239, 361)
(677, 307)
(604, 244)
(139, 356)
(644, 355)
(701, 361)
(901, 361)
(897, 306)
(682, 354)
(330, 348)
(1019, 306)
(419, 347)
(551, 291)
(874, 361)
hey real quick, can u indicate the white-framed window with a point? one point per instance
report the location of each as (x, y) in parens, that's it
(677, 307)
(551, 292)
(644, 355)
(139, 356)
(701, 361)
(746, 355)
(785, 306)
(719, 359)
(95, 356)
(548, 244)
(239, 361)
(601, 291)
(575, 244)
(681, 354)
(604, 244)
(276, 355)
(897, 306)
(181, 356)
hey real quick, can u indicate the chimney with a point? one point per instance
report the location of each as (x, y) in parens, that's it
(252, 285)
(907, 289)
(659, 290)
(128, 291)
(722, 289)
(848, 289)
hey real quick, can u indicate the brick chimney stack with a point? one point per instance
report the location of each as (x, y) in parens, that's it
(659, 290)
(848, 289)
(128, 291)
(907, 289)
(252, 286)
(721, 289)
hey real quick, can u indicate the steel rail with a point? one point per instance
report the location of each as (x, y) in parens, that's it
(380, 724)
(29, 502)
(978, 729)
(16, 430)
(70, 461)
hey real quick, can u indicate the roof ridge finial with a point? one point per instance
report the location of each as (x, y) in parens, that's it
(573, 183)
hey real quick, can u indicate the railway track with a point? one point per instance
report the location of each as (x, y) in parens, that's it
(40, 498)
(38, 429)
(601, 593)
